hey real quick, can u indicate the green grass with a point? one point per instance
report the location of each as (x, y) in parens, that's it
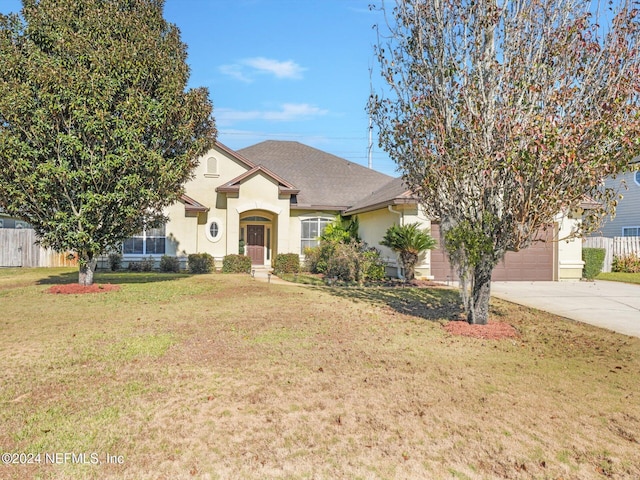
(224, 376)
(620, 277)
(302, 278)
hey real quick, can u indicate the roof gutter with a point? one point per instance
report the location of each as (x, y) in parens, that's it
(379, 205)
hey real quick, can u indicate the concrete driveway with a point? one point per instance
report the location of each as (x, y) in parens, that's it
(611, 305)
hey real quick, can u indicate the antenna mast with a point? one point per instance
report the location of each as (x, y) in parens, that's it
(370, 146)
(370, 141)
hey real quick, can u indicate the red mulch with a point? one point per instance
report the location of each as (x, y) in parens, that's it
(491, 331)
(77, 288)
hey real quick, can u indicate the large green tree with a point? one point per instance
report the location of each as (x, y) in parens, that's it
(98, 132)
(504, 114)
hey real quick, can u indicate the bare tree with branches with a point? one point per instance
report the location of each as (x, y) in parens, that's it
(504, 114)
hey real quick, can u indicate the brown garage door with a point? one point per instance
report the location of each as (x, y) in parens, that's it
(535, 263)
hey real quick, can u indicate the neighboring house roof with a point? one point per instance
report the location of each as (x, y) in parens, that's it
(394, 192)
(234, 184)
(325, 181)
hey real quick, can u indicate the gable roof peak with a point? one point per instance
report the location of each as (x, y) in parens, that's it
(323, 178)
(233, 185)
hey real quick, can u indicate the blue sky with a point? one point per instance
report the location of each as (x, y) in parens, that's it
(283, 70)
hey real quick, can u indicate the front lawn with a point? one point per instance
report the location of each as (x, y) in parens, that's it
(620, 277)
(226, 377)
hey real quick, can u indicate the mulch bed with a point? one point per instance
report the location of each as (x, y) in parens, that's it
(76, 288)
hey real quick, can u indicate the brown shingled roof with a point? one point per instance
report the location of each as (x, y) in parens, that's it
(394, 192)
(325, 181)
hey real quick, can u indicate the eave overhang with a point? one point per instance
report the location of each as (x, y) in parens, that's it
(191, 205)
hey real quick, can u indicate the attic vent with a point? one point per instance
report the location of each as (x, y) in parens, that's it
(212, 167)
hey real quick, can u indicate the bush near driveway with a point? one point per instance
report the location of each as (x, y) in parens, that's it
(593, 261)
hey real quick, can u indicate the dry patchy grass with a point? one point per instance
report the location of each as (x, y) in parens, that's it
(224, 377)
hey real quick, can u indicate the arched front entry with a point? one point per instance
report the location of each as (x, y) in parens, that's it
(257, 235)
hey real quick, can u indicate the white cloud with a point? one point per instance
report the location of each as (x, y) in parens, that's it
(286, 113)
(235, 71)
(288, 69)
(247, 69)
(294, 111)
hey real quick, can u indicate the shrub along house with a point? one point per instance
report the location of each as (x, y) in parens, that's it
(277, 196)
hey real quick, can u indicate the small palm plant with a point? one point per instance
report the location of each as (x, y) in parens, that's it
(409, 241)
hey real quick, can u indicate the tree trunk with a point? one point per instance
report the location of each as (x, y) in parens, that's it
(478, 308)
(87, 269)
(409, 261)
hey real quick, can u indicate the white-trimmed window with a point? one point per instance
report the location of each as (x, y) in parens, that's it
(631, 231)
(213, 230)
(151, 241)
(1, 222)
(21, 224)
(636, 177)
(312, 228)
(212, 167)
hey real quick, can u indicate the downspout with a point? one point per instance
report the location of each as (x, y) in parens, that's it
(400, 267)
(397, 213)
(197, 230)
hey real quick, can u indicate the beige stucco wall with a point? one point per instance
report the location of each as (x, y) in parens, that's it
(259, 193)
(374, 224)
(569, 251)
(181, 231)
(203, 189)
(188, 231)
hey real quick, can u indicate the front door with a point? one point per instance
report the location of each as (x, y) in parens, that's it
(255, 244)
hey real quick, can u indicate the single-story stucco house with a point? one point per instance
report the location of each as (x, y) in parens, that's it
(277, 196)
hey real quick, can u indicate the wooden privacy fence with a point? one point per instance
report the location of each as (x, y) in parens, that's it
(614, 247)
(18, 249)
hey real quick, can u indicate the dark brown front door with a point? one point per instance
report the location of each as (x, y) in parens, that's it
(255, 244)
